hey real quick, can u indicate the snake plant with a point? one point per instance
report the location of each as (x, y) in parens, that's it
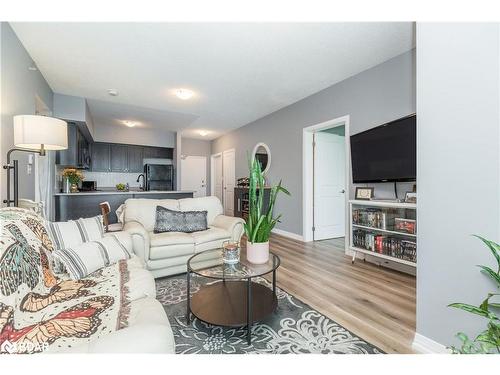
(260, 221)
(487, 341)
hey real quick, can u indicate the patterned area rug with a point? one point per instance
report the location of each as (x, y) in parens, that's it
(294, 328)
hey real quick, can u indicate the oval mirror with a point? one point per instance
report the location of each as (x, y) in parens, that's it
(262, 153)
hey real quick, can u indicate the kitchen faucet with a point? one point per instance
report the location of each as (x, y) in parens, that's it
(142, 187)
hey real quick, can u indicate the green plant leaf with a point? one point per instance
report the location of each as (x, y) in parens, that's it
(494, 248)
(492, 274)
(471, 308)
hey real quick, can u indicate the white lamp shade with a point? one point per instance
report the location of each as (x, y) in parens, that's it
(32, 132)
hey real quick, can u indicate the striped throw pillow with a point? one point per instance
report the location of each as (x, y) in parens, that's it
(68, 234)
(88, 257)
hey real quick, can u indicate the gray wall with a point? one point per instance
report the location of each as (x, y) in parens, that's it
(373, 97)
(198, 147)
(19, 87)
(458, 172)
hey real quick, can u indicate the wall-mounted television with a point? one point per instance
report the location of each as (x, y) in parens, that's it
(387, 153)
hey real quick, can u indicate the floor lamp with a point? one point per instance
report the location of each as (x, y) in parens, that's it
(33, 134)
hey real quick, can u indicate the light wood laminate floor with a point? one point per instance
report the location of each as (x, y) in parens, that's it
(375, 303)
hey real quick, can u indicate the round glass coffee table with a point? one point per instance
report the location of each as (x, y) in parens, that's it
(233, 300)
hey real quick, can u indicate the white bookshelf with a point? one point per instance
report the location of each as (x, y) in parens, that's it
(392, 210)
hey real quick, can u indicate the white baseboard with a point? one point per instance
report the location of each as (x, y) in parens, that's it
(424, 345)
(284, 233)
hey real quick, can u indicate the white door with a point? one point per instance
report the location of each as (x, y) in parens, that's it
(217, 176)
(228, 166)
(329, 186)
(194, 175)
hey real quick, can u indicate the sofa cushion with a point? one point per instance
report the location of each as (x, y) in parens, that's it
(170, 244)
(170, 238)
(212, 205)
(211, 234)
(88, 257)
(172, 251)
(144, 210)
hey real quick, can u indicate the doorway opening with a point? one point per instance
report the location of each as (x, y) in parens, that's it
(326, 171)
(223, 178)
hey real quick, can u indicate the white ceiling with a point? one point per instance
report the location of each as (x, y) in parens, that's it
(113, 114)
(240, 72)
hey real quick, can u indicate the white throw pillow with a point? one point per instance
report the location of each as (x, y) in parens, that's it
(83, 259)
(75, 232)
(68, 234)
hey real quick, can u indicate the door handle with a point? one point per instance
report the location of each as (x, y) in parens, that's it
(342, 191)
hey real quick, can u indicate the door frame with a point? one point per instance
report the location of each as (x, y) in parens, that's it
(308, 173)
(212, 173)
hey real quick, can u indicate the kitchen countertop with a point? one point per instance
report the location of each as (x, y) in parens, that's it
(113, 191)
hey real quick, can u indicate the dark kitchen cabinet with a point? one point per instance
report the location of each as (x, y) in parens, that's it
(135, 156)
(158, 153)
(119, 158)
(101, 157)
(68, 157)
(116, 157)
(83, 151)
(78, 152)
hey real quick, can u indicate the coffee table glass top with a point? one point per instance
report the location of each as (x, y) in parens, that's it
(209, 264)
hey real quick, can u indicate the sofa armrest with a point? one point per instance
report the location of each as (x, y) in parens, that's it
(233, 225)
(140, 238)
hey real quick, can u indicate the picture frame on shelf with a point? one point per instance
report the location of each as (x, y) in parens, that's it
(410, 197)
(364, 193)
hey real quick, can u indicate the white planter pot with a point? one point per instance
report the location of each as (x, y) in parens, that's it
(258, 253)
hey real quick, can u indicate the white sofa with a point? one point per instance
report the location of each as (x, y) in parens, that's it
(148, 328)
(167, 253)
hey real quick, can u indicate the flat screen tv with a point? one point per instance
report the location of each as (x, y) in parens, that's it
(386, 153)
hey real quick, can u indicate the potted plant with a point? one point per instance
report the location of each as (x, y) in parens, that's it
(487, 341)
(260, 221)
(74, 176)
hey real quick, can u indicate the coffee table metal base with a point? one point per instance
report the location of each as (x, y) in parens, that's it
(227, 303)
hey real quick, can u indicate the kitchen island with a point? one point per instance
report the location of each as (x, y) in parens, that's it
(71, 206)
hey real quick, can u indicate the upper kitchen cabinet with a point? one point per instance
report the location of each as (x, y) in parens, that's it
(119, 158)
(78, 152)
(158, 153)
(101, 157)
(135, 158)
(115, 157)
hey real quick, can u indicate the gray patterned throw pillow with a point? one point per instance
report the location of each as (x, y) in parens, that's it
(179, 221)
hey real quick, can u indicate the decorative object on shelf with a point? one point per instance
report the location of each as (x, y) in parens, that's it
(260, 219)
(364, 193)
(230, 252)
(405, 225)
(121, 187)
(243, 182)
(262, 154)
(74, 177)
(411, 197)
(487, 341)
(33, 134)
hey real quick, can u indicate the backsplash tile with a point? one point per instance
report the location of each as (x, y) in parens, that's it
(110, 179)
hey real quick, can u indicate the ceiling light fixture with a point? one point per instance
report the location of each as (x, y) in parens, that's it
(130, 124)
(203, 133)
(113, 92)
(184, 94)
